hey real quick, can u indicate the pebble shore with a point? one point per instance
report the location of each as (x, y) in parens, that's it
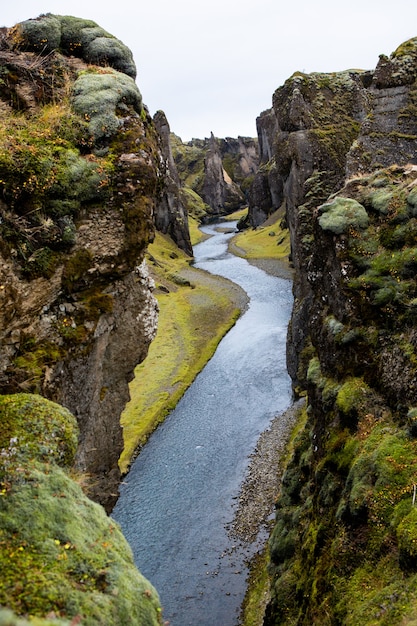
(261, 485)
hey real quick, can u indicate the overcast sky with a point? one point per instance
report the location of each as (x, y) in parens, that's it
(213, 66)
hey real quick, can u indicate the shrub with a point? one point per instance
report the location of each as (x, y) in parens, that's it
(342, 214)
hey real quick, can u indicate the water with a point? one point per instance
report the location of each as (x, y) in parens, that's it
(179, 496)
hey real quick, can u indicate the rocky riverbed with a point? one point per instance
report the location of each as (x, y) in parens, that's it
(260, 487)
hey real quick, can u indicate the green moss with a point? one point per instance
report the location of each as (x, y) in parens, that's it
(34, 428)
(194, 204)
(407, 540)
(342, 214)
(314, 371)
(351, 395)
(8, 618)
(412, 199)
(59, 552)
(74, 37)
(32, 361)
(75, 268)
(98, 97)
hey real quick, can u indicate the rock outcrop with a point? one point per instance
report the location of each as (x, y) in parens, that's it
(171, 213)
(62, 557)
(220, 171)
(340, 150)
(81, 167)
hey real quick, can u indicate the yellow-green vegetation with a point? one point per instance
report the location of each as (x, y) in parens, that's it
(59, 552)
(8, 618)
(196, 235)
(196, 310)
(368, 581)
(268, 241)
(257, 595)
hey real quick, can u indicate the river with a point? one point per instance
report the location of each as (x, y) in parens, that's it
(179, 498)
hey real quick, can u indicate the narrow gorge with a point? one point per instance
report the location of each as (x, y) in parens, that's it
(99, 212)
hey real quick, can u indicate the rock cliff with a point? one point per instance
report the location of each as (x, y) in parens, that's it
(340, 152)
(220, 171)
(83, 173)
(171, 213)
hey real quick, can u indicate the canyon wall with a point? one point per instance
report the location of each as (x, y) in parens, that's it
(220, 171)
(339, 153)
(84, 175)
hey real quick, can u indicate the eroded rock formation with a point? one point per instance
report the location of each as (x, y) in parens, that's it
(171, 214)
(81, 171)
(220, 171)
(340, 151)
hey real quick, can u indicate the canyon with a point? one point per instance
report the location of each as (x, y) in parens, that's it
(87, 178)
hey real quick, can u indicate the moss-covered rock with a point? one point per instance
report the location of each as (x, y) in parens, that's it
(341, 214)
(76, 37)
(98, 97)
(59, 552)
(32, 427)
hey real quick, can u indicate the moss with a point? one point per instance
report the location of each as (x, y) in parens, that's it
(351, 395)
(342, 214)
(75, 268)
(412, 199)
(407, 541)
(96, 302)
(98, 97)
(194, 204)
(314, 371)
(74, 37)
(59, 552)
(268, 242)
(8, 618)
(34, 428)
(32, 362)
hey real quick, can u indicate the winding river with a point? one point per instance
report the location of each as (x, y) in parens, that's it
(179, 497)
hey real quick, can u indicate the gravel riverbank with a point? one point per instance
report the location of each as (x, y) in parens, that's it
(261, 484)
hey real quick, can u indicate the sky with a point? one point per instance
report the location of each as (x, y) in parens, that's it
(212, 66)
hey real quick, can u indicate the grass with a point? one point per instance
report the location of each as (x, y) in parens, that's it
(196, 311)
(265, 242)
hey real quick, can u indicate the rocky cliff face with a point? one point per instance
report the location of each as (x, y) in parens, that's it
(219, 170)
(82, 173)
(171, 214)
(341, 151)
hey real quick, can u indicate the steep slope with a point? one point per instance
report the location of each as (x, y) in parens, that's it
(82, 172)
(343, 547)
